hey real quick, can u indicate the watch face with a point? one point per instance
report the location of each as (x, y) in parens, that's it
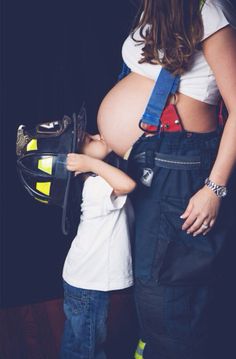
(222, 192)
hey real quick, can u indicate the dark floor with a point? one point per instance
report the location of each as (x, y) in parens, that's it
(34, 331)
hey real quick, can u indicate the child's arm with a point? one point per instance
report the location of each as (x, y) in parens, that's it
(117, 179)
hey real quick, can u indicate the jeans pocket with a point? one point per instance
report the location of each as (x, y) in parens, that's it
(76, 304)
(182, 259)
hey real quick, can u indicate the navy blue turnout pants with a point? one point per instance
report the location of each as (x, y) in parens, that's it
(174, 271)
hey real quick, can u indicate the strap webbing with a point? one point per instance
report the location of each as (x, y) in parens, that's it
(165, 85)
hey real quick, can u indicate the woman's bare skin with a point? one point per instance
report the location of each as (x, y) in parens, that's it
(123, 106)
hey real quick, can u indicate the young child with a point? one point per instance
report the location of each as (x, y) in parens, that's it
(99, 259)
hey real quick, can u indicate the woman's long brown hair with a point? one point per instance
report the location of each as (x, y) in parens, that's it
(173, 32)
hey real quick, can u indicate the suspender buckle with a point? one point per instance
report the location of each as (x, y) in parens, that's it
(148, 128)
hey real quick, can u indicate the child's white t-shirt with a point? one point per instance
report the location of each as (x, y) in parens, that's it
(100, 254)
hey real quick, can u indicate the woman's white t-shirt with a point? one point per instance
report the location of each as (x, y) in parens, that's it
(100, 254)
(199, 82)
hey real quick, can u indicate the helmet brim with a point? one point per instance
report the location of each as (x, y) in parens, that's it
(79, 123)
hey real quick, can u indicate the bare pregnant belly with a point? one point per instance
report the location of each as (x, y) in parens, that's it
(123, 106)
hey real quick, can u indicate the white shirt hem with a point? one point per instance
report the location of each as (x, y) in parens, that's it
(100, 286)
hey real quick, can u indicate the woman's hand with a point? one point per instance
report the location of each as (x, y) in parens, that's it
(201, 212)
(78, 163)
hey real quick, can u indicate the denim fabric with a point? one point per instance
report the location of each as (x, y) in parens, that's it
(163, 252)
(175, 320)
(85, 326)
(174, 271)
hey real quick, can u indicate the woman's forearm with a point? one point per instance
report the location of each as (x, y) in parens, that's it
(226, 157)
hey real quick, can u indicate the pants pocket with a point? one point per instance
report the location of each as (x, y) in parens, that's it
(180, 258)
(76, 304)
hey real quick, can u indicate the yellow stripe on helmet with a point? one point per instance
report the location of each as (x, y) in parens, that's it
(41, 200)
(43, 187)
(139, 351)
(45, 164)
(32, 145)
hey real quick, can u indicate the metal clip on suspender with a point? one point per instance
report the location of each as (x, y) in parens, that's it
(165, 85)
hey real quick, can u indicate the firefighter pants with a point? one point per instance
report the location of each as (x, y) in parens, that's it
(174, 271)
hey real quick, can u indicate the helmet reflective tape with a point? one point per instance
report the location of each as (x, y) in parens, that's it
(139, 351)
(48, 125)
(32, 145)
(41, 200)
(30, 187)
(44, 187)
(51, 128)
(42, 155)
(45, 164)
(141, 344)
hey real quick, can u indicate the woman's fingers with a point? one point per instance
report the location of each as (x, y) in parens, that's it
(189, 216)
(202, 228)
(201, 212)
(211, 224)
(205, 227)
(187, 211)
(199, 225)
(189, 221)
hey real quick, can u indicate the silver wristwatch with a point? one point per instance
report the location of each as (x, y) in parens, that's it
(220, 191)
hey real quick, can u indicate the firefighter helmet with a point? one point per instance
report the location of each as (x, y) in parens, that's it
(41, 159)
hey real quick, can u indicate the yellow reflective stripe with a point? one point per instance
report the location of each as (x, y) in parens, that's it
(141, 344)
(139, 351)
(138, 356)
(45, 164)
(43, 187)
(41, 200)
(32, 145)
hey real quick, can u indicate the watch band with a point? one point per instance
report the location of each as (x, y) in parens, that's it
(219, 190)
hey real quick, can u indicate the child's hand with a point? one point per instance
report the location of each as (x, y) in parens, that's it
(78, 163)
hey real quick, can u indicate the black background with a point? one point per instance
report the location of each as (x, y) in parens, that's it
(55, 55)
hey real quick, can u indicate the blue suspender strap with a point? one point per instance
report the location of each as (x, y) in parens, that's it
(124, 72)
(165, 85)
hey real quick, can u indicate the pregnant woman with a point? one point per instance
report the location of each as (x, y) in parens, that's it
(181, 57)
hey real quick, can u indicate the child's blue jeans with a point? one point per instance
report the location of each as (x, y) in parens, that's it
(85, 326)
